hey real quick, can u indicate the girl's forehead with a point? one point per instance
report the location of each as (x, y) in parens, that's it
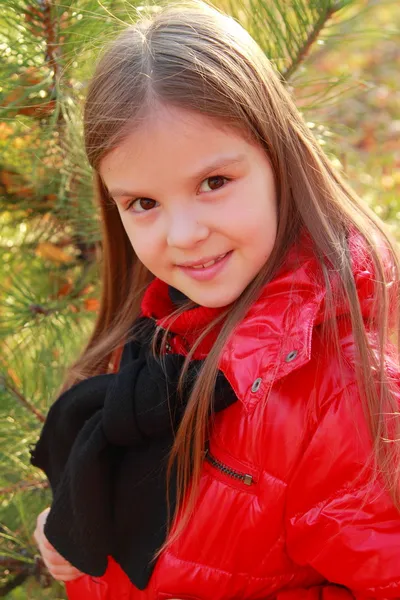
(177, 121)
(176, 140)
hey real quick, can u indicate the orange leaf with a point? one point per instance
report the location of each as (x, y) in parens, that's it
(51, 252)
(64, 289)
(73, 308)
(92, 304)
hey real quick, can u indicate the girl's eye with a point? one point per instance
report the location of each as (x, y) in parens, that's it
(213, 183)
(141, 205)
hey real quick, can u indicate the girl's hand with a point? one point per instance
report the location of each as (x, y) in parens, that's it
(58, 567)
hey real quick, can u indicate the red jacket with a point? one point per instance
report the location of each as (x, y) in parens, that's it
(285, 509)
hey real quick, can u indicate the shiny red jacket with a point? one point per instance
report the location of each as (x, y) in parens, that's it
(285, 508)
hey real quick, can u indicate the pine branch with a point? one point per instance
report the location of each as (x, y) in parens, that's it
(53, 51)
(22, 571)
(8, 386)
(12, 563)
(23, 486)
(44, 25)
(286, 31)
(309, 41)
(18, 580)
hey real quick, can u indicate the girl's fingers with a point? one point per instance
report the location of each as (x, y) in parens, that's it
(42, 540)
(58, 566)
(61, 569)
(40, 521)
(55, 559)
(38, 533)
(64, 573)
(61, 572)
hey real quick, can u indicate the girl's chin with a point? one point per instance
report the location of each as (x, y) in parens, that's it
(209, 300)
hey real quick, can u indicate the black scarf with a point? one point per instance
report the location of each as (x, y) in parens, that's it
(104, 448)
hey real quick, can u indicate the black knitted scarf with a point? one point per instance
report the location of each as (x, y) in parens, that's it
(104, 448)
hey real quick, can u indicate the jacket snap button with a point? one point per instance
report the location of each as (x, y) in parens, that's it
(256, 385)
(291, 356)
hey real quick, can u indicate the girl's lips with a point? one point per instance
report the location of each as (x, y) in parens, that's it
(207, 273)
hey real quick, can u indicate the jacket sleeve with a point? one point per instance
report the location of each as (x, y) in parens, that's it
(339, 519)
(87, 588)
(113, 585)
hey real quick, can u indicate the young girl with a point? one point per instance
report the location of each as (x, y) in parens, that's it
(247, 444)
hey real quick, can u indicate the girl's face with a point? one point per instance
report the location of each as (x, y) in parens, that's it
(197, 201)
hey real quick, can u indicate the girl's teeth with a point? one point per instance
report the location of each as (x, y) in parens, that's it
(210, 263)
(205, 265)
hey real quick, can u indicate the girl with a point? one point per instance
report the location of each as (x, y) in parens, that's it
(247, 445)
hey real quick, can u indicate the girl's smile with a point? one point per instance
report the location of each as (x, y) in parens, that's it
(206, 269)
(197, 201)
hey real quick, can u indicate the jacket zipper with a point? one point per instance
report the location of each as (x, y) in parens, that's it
(243, 477)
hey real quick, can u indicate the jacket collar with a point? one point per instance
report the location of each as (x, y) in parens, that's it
(157, 304)
(275, 337)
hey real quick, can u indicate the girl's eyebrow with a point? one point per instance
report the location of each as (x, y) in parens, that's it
(220, 163)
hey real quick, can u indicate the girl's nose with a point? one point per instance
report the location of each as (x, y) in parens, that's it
(186, 231)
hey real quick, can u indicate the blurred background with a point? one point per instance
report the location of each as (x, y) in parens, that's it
(339, 58)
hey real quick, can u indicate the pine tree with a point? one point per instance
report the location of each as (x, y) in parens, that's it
(50, 241)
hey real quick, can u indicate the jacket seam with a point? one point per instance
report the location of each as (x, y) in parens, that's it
(273, 577)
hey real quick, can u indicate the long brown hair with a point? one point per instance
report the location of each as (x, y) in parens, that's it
(194, 57)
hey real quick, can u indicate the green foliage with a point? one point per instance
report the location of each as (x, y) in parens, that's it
(339, 59)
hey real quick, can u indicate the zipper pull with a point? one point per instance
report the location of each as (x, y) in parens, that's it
(245, 478)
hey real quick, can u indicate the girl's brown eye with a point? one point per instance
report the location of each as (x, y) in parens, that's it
(146, 203)
(213, 183)
(216, 182)
(142, 205)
